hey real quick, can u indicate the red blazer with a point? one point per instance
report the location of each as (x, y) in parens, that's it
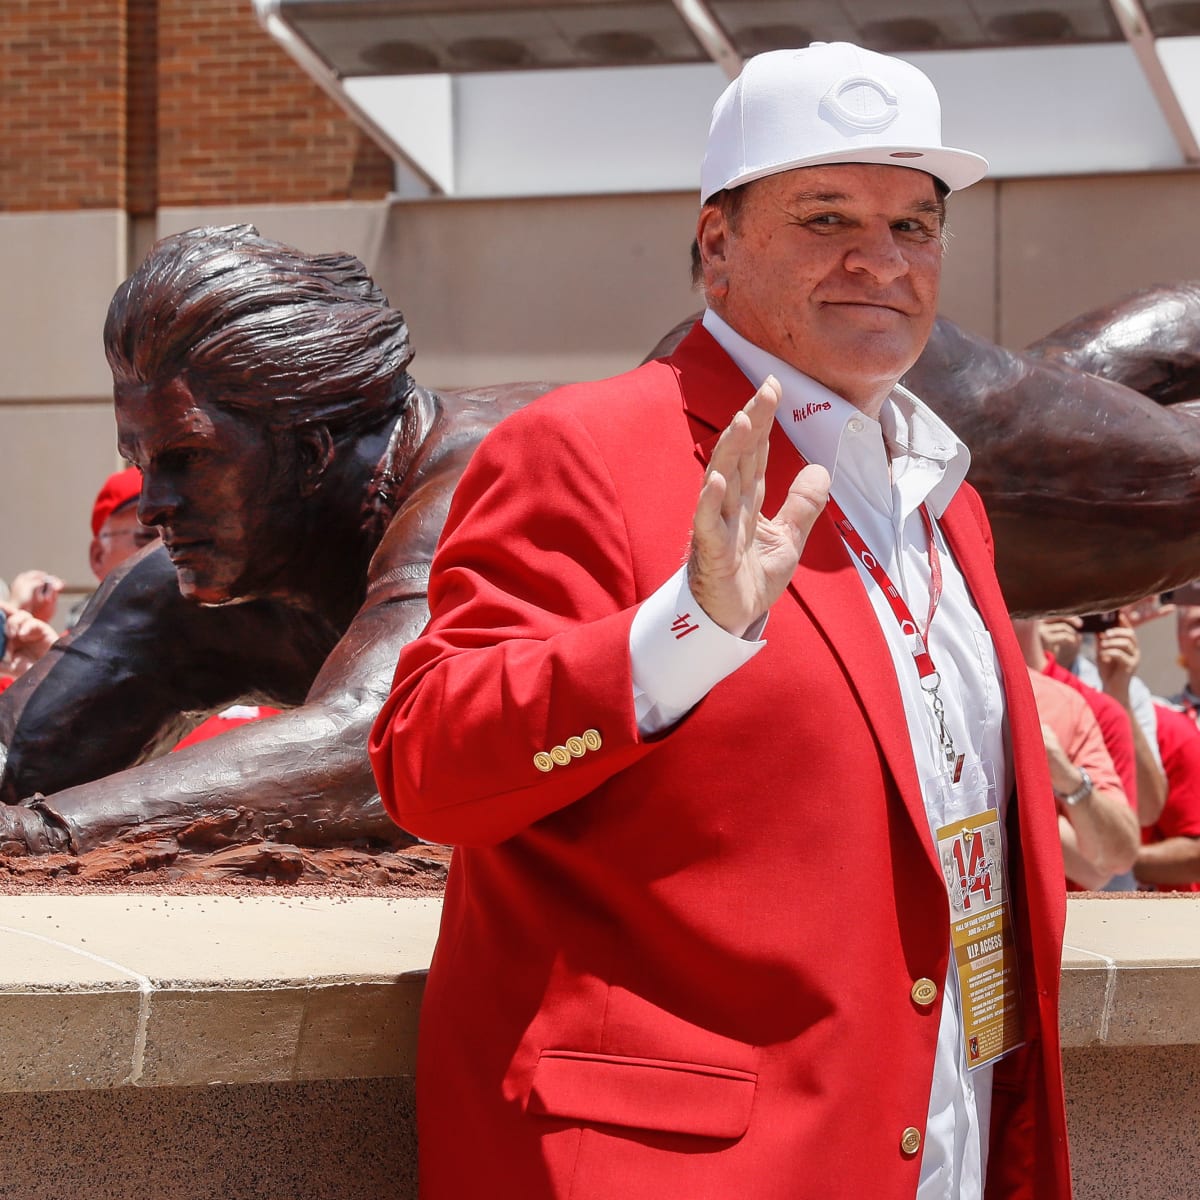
(702, 944)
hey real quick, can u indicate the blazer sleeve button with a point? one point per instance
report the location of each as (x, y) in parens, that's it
(591, 739)
(575, 747)
(560, 755)
(543, 761)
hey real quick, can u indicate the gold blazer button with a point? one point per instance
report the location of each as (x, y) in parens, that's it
(575, 747)
(560, 755)
(543, 761)
(910, 1140)
(591, 739)
(924, 992)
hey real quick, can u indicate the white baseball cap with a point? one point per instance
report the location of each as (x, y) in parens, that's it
(832, 102)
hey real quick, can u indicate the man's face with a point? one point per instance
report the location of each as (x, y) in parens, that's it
(121, 536)
(221, 489)
(834, 269)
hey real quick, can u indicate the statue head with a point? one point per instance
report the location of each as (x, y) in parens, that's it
(241, 368)
(261, 328)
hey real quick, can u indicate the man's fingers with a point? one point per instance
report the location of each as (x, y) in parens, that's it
(740, 455)
(760, 408)
(709, 521)
(805, 499)
(747, 435)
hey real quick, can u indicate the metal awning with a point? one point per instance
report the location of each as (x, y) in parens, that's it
(532, 97)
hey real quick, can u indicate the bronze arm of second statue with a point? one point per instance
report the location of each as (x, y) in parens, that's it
(1092, 489)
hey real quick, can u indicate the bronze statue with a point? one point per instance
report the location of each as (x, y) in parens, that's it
(299, 478)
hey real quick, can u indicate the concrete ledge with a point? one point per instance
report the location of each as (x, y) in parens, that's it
(1130, 1020)
(1131, 972)
(173, 991)
(118, 1013)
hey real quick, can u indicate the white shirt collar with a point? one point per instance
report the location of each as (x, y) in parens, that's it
(816, 419)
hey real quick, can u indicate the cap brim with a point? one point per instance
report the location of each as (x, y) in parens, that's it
(957, 169)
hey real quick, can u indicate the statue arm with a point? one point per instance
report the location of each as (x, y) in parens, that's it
(117, 689)
(300, 776)
(1149, 341)
(1090, 487)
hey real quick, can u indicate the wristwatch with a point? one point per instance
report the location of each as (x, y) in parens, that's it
(1082, 792)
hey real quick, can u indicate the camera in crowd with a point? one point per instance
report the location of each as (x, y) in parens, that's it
(1099, 622)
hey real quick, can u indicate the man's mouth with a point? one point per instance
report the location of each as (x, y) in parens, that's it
(868, 305)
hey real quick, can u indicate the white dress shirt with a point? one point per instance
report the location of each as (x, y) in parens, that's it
(882, 472)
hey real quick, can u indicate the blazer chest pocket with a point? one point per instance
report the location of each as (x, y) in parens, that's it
(643, 1093)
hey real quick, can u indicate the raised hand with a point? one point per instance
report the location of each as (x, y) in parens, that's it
(27, 640)
(1118, 657)
(740, 560)
(1061, 637)
(36, 592)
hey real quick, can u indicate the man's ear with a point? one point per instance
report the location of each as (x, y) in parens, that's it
(96, 556)
(316, 453)
(712, 238)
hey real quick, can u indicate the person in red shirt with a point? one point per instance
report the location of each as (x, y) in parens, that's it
(1096, 817)
(1120, 700)
(1169, 860)
(1187, 701)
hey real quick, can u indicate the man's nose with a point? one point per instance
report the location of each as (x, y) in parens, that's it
(877, 252)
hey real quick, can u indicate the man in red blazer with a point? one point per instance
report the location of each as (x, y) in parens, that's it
(756, 890)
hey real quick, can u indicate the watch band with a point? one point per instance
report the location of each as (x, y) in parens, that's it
(1082, 792)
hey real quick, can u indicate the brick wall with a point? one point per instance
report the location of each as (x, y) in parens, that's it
(139, 103)
(239, 121)
(62, 104)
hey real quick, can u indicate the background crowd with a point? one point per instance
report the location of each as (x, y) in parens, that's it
(1134, 755)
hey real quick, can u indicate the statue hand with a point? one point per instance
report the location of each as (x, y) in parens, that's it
(26, 828)
(740, 561)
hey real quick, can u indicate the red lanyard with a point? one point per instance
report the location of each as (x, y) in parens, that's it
(930, 679)
(908, 625)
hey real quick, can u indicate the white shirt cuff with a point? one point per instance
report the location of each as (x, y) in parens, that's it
(679, 655)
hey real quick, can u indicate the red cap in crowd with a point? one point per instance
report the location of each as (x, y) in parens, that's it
(118, 490)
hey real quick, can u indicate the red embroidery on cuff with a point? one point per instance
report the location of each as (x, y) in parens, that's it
(682, 626)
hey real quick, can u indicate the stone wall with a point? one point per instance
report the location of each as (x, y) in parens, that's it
(262, 1047)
